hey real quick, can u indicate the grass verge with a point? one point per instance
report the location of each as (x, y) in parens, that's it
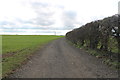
(110, 61)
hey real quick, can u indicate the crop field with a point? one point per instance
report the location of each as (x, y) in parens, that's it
(17, 48)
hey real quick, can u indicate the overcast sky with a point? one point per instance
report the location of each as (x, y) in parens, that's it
(49, 16)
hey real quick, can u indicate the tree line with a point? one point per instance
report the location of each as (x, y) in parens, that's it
(99, 35)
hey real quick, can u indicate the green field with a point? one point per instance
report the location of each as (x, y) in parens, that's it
(17, 48)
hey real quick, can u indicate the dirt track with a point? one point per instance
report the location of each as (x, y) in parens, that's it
(59, 59)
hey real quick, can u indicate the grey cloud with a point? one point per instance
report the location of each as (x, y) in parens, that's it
(39, 4)
(37, 21)
(44, 19)
(69, 19)
(119, 7)
(44, 15)
(70, 14)
(6, 23)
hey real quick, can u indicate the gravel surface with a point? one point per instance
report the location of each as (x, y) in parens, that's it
(59, 59)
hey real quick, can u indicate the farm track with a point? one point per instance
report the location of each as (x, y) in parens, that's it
(59, 59)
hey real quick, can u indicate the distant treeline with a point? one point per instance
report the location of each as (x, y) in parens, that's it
(103, 35)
